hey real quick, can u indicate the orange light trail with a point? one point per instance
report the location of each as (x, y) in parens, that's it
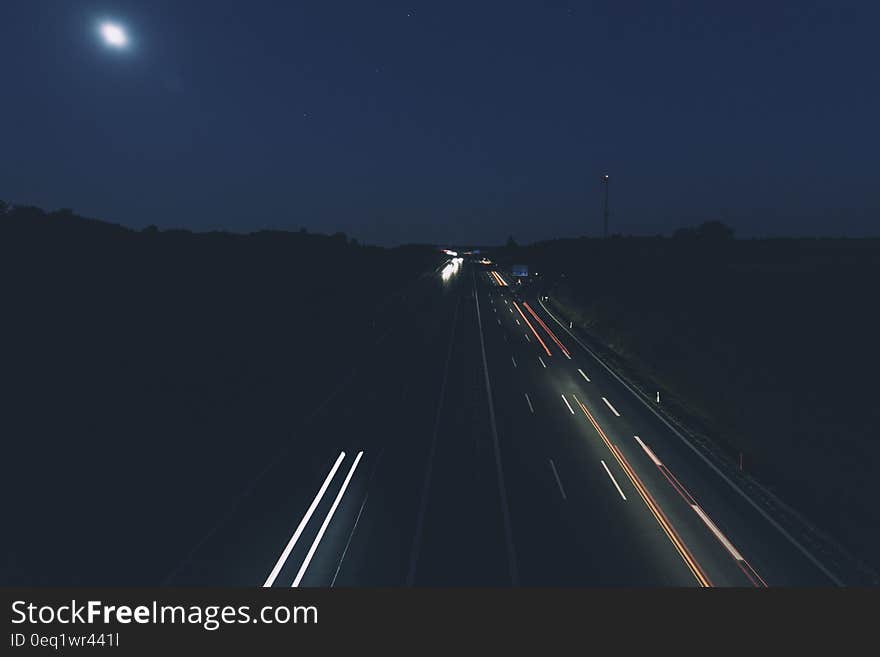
(546, 328)
(652, 505)
(525, 319)
(498, 278)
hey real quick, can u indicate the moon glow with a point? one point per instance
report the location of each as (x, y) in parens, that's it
(114, 35)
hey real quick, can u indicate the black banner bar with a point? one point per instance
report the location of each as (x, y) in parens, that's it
(258, 621)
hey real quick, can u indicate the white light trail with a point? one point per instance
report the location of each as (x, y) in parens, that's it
(302, 523)
(308, 559)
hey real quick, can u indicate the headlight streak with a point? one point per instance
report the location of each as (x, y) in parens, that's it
(451, 268)
(270, 580)
(649, 501)
(308, 559)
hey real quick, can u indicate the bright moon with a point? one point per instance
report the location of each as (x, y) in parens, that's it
(114, 35)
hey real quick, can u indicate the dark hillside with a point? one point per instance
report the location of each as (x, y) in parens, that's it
(149, 375)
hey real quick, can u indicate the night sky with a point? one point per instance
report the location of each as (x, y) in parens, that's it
(446, 121)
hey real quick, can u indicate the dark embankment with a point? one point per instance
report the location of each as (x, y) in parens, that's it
(769, 347)
(148, 376)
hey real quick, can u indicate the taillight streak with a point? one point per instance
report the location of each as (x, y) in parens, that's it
(547, 328)
(501, 282)
(526, 320)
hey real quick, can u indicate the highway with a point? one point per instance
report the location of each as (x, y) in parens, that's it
(480, 443)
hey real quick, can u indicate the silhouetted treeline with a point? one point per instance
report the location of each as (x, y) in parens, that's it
(770, 346)
(147, 375)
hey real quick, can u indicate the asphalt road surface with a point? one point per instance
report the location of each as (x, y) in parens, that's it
(480, 444)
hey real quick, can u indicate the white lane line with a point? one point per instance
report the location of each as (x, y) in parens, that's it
(608, 404)
(558, 481)
(613, 480)
(514, 360)
(527, 337)
(648, 452)
(499, 470)
(511, 310)
(567, 404)
(583, 375)
(348, 542)
(270, 580)
(529, 402)
(499, 322)
(517, 322)
(308, 560)
(721, 537)
(542, 362)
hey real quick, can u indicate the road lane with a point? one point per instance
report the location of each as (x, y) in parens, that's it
(607, 546)
(767, 549)
(379, 407)
(489, 454)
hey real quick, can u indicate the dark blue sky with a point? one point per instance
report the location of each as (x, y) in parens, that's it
(447, 121)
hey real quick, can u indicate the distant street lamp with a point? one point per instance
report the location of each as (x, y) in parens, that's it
(605, 213)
